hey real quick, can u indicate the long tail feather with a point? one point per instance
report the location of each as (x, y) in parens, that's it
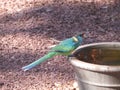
(37, 62)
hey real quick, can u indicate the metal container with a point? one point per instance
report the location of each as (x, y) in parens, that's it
(97, 66)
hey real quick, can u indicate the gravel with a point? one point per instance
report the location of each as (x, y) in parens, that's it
(29, 27)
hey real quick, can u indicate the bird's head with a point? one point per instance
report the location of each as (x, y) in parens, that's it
(78, 38)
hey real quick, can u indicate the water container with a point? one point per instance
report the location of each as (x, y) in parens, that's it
(97, 66)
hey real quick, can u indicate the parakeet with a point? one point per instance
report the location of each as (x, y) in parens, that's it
(65, 47)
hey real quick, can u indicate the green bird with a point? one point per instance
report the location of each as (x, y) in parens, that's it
(65, 47)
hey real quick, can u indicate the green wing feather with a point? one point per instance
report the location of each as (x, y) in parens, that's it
(65, 50)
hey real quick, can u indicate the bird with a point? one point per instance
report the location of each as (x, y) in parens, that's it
(65, 47)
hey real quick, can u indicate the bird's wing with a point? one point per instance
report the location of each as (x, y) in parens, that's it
(63, 48)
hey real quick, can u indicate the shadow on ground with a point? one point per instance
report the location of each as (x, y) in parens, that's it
(63, 19)
(26, 34)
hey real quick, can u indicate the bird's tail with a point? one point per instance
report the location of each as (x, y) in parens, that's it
(37, 62)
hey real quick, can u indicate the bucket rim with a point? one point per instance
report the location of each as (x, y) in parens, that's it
(95, 67)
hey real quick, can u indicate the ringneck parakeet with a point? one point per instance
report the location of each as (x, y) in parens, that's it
(65, 47)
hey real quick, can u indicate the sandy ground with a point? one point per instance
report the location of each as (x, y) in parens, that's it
(29, 27)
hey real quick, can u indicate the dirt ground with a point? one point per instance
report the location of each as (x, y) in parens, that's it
(29, 27)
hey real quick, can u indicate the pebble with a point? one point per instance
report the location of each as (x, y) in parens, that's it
(57, 84)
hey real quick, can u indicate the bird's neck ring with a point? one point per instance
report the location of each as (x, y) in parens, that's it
(75, 39)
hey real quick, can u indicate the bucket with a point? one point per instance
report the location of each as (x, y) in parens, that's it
(97, 66)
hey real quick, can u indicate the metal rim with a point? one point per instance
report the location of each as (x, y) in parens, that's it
(95, 67)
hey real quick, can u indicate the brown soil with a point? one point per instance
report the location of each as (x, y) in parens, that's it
(29, 27)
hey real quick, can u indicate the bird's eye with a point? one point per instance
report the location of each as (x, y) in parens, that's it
(75, 39)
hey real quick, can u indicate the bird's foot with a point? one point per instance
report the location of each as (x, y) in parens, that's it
(70, 56)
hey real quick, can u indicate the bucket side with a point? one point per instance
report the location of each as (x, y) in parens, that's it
(94, 76)
(103, 79)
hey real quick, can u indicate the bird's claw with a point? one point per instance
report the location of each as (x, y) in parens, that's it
(70, 56)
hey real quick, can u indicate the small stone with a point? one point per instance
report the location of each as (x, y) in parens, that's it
(57, 84)
(1, 84)
(48, 9)
(75, 84)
